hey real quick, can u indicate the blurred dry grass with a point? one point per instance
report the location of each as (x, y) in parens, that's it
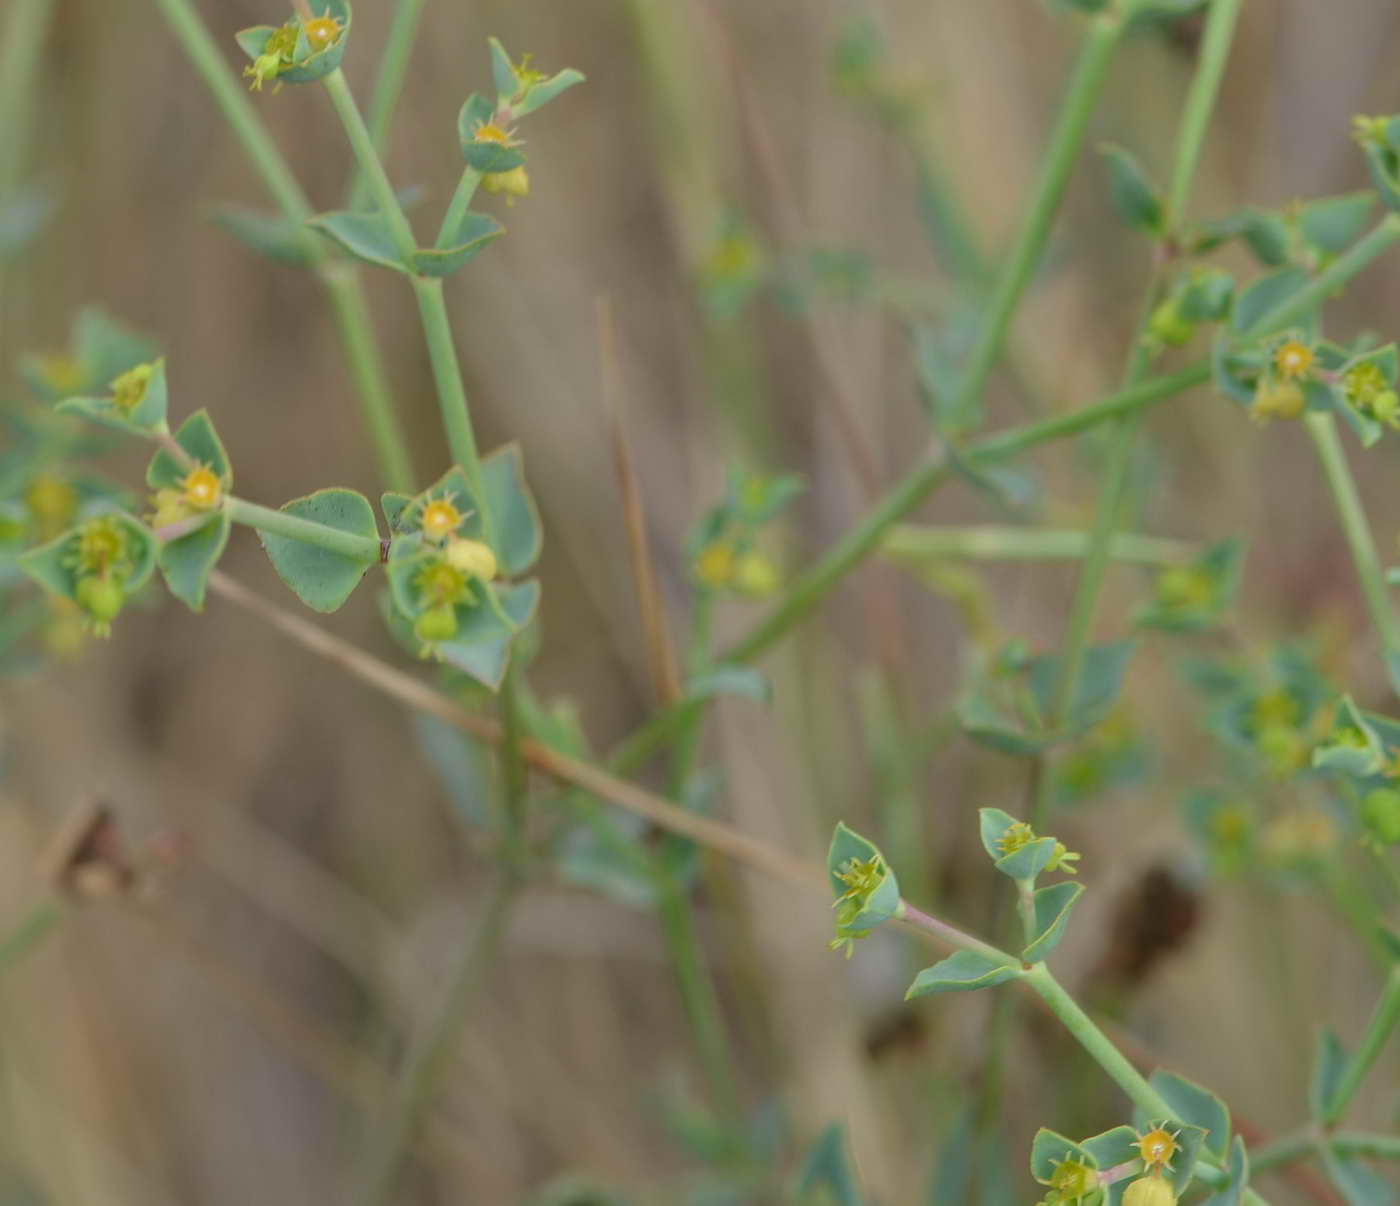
(231, 1043)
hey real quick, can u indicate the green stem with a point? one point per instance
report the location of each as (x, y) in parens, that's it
(367, 369)
(1378, 1031)
(696, 984)
(910, 491)
(992, 542)
(29, 932)
(21, 56)
(1105, 32)
(1115, 1064)
(1323, 430)
(1200, 102)
(457, 208)
(367, 156)
(307, 531)
(452, 394)
(1306, 1142)
(388, 85)
(341, 282)
(430, 1058)
(437, 328)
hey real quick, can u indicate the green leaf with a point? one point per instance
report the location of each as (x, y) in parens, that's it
(1113, 1147)
(880, 904)
(481, 647)
(980, 719)
(515, 519)
(1263, 296)
(1133, 195)
(992, 826)
(1052, 909)
(1100, 680)
(201, 442)
(322, 579)
(394, 504)
(145, 418)
(1029, 861)
(1048, 1150)
(51, 564)
(1357, 1183)
(1207, 295)
(187, 562)
(502, 72)
(1362, 760)
(367, 237)
(1238, 1168)
(1197, 1106)
(1334, 223)
(962, 972)
(1329, 1066)
(743, 682)
(1235, 370)
(1193, 597)
(540, 94)
(269, 235)
(476, 230)
(828, 1168)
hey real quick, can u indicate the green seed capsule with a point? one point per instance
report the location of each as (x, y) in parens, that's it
(101, 597)
(1149, 1191)
(437, 624)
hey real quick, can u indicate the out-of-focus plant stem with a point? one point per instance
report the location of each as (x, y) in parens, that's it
(341, 280)
(1200, 104)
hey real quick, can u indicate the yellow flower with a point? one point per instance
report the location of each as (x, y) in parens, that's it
(1293, 360)
(441, 585)
(440, 519)
(63, 374)
(1157, 1147)
(202, 488)
(715, 565)
(52, 502)
(321, 32)
(755, 575)
(102, 548)
(489, 131)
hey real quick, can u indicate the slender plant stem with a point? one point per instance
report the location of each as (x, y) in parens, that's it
(1115, 1064)
(340, 280)
(1200, 103)
(991, 542)
(452, 394)
(437, 327)
(1091, 70)
(457, 207)
(431, 1056)
(1378, 1031)
(847, 555)
(950, 935)
(914, 487)
(29, 932)
(20, 60)
(307, 531)
(1323, 430)
(367, 156)
(1306, 1142)
(388, 86)
(367, 368)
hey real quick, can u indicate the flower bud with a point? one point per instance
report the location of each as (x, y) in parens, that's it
(436, 624)
(1149, 1191)
(102, 598)
(1168, 326)
(473, 558)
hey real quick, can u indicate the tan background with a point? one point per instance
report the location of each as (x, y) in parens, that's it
(153, 1058)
